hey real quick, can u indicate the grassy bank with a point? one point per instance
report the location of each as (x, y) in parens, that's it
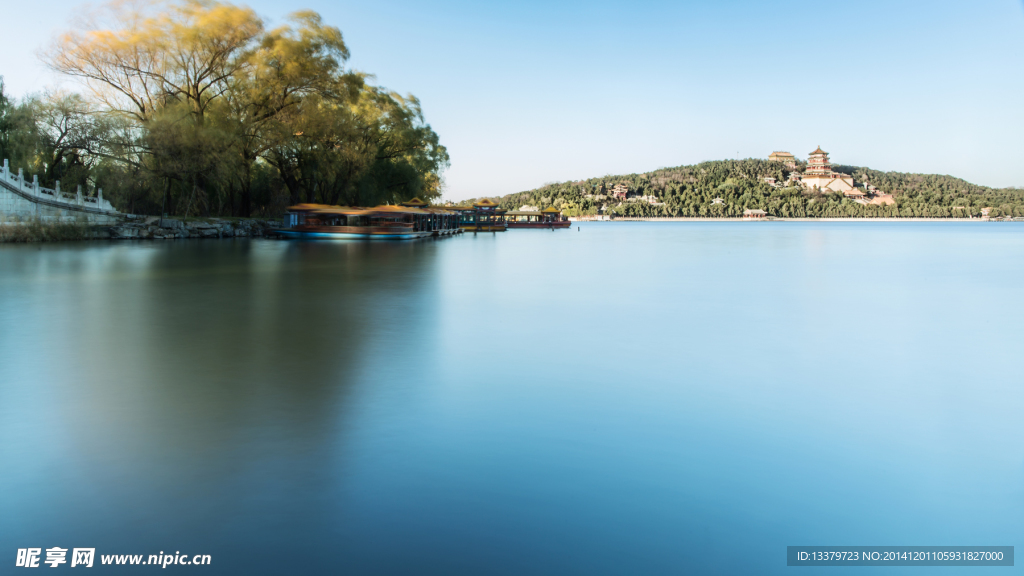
(37, 231)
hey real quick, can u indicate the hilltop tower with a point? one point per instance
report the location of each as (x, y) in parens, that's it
(819, 174)
(818, 164)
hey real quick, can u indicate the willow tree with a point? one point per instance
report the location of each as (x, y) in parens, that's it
(368, 148)
(134, 57)
(199, 95)
(408, 157)
(169, 58)
(299, 60)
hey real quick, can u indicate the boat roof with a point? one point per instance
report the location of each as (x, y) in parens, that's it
(389, 209)
(345, 210)
(486, 203)
(415, 203)
(325, 209)
(551, 210)
(357, 211)
(309, 207)
(523, 213)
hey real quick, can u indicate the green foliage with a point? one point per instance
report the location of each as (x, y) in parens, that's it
(689, 191)
(18, 134)
(198, 110)
(373, 148)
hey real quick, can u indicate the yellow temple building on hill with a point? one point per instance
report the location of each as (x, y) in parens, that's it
(784, 157)
(819, 174)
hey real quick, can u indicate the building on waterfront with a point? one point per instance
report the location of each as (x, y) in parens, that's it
(819, 174)
(784, 157)
(754, 214)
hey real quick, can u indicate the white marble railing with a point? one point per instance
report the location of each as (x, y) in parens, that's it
(36, 192)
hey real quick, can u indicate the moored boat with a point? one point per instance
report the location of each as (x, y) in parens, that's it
(483, 216)
(441, 221)
(387, 222)
(549, 217)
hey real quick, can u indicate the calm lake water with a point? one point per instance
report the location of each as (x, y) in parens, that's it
(629, 398)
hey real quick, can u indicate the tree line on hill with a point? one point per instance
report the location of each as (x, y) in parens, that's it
(690, 191)
(195, 107)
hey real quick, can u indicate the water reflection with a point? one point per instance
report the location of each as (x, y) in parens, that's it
(211, 376)
(620, 399)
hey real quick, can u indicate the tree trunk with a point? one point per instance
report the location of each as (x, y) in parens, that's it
(167, 198)
(246, 208)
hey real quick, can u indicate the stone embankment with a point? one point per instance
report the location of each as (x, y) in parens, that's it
(152, 228)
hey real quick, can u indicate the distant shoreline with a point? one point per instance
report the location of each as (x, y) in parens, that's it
(774, 219)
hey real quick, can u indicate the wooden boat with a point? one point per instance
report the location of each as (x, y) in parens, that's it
(441, 221)
(379, 223)
(549, 217)
(484, 216)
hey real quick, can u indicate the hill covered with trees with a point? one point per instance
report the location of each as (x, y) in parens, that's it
(690, 191)
(196, 107)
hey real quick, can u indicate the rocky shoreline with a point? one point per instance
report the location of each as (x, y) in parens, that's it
(136, 228)
(154, 228)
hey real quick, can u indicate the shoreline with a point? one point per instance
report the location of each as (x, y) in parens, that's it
(134, 228)
(781, 219)
(155, 228)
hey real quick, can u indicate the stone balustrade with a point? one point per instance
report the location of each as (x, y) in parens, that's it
(19, 198)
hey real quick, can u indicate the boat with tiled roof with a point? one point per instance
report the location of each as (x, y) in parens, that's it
(482, 216)
(548, 218)
(411, 220)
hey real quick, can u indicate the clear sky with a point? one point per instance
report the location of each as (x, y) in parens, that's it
(528, 92)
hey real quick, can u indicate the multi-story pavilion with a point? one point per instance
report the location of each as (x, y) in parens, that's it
(819, 174)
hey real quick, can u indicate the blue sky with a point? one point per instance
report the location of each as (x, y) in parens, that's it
(529, 92)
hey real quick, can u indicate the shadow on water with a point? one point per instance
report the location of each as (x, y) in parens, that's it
(211, 376)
